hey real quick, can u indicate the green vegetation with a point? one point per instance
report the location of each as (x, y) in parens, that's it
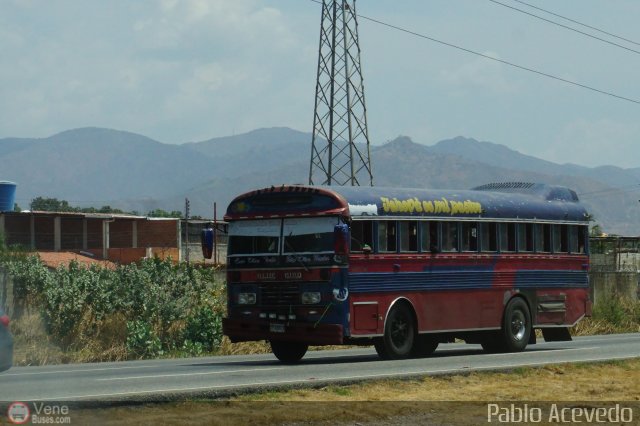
(611, 315)
(163, 213)
(45, 204)
(54, 205)
(131, 312)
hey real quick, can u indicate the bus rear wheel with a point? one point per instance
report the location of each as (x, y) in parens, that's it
(516, 329)
(289, 352)
(399, 334)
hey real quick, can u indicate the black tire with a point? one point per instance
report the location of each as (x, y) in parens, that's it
(289, 352)
(516, 329)
(399, 334)
(423, 346)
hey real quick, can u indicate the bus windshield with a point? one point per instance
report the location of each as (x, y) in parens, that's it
(299, 235)
(308, 235)
(253, 237)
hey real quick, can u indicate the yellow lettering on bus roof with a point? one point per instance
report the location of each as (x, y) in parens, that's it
(440, 206)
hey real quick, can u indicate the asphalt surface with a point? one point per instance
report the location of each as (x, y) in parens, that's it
(227, 375)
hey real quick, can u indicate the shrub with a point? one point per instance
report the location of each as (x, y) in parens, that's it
(141, 340)
(611, 310)
(162, 304)
(204, 327)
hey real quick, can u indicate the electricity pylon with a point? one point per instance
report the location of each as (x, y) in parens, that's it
(340, 144)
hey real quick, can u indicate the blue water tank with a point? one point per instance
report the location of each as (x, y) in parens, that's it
(7, 196)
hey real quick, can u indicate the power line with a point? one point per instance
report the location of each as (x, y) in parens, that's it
(511, 64)
(565, 26)
(577, 22)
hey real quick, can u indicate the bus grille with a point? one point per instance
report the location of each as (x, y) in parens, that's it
(279, 294)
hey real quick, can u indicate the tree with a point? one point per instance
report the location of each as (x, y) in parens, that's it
(596, 230)
(50, 205)
(164, 213)
(54, 205)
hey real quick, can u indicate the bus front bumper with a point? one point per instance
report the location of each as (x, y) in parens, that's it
(248, 330)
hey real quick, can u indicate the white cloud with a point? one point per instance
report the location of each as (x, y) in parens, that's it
(151, 67)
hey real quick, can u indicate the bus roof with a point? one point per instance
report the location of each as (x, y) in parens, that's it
(500, 201)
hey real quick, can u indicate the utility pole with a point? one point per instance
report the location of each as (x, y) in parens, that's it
(186, 228)
(340, 153)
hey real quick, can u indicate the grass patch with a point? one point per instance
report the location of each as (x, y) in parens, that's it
(609, 316)
(430, 400)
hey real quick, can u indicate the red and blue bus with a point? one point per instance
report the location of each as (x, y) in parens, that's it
(405, 269)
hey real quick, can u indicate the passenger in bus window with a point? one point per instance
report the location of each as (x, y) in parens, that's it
(361, 235)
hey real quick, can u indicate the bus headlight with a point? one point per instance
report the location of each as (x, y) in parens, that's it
(311, 297)
(246, 298)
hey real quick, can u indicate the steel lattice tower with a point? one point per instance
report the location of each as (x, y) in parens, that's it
(340, 143)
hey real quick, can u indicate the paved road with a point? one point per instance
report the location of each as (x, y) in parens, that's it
(224, 375)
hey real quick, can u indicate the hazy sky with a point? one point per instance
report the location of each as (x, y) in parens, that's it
(190, 70)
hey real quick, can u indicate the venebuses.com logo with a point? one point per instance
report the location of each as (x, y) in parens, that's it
(18, 413)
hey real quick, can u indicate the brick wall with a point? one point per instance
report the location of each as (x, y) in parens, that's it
(71, 233)
(158, 233)
(17, 230)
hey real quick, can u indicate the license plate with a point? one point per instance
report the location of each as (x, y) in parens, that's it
(276, 328)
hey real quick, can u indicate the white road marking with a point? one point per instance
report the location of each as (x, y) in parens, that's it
(542, 351)
(189, 374)
(79, 370)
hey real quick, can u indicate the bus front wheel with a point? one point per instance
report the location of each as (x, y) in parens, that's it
(289, 352)
(399, 334)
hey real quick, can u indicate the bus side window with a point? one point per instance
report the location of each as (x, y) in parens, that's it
(449, 236)
(361, 235)
(560, 239)
(488, 237)
(525, 237)
(573, 239)
(408, 236)
(387, 236)
(469, 233)
(582, 239)
(507, 237)
(542, 237)
(429, 237)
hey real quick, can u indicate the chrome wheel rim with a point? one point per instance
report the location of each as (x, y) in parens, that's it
(518, 325)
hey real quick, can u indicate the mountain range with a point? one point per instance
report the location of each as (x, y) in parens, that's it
(97, 167)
